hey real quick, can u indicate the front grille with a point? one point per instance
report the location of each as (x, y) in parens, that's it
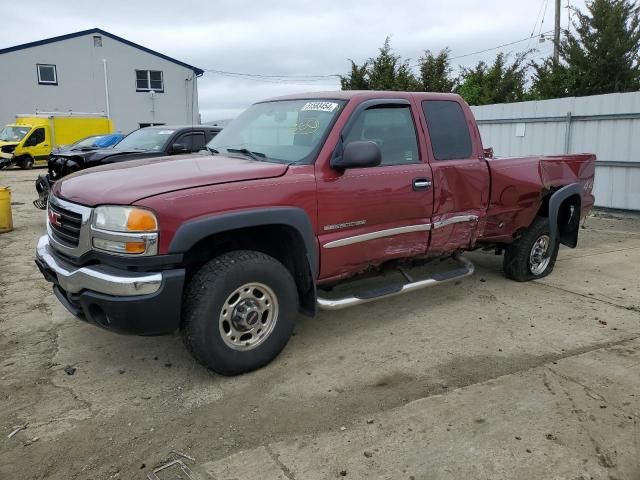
(65, 225)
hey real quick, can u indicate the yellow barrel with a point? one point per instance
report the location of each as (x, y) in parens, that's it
(6, 221)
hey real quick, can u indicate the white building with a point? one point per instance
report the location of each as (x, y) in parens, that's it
(607, 125)
(96, 71)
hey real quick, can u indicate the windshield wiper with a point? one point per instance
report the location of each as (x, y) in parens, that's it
(245, 151)
(212, 151)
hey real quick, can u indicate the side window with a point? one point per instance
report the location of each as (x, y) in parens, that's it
(193, 141)
(36, 138)
(448, 129)
(392, 128)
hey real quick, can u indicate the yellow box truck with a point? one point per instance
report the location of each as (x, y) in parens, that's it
(30, 140)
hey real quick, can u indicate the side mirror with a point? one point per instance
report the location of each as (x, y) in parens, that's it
(359, 154)
(179, 148)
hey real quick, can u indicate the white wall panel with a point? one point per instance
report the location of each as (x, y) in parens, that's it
(615, 138)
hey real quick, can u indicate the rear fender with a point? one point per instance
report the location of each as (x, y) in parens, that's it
(567, 236)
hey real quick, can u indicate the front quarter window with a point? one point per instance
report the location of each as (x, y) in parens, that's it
(287, 131)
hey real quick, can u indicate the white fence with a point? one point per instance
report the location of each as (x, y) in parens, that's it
(607, 125)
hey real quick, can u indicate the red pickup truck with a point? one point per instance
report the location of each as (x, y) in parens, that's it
(322, 200)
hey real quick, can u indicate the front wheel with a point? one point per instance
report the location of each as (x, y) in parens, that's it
(239, 312)
(532, 256)
(25, 163)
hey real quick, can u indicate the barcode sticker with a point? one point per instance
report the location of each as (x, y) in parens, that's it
(320, 106)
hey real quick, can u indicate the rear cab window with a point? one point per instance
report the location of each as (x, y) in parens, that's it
(448, 130)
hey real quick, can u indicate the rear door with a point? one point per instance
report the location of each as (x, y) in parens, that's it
(370, 215)
(460, 175)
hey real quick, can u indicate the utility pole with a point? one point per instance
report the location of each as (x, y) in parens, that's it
(556, 36)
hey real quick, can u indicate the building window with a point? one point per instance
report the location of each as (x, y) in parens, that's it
(97, 41)
(47, 74)
(147, 80)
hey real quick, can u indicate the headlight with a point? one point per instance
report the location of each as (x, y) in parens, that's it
(125, 219)
(125, 230)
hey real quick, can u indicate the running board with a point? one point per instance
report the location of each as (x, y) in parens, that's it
(394, 289)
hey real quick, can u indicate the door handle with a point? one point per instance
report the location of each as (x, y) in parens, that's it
(421, 184)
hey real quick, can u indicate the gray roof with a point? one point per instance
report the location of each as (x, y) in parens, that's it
(196, 70)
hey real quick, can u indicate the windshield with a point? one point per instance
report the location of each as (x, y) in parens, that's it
(153, 139)
(288, 131)
(13, 134)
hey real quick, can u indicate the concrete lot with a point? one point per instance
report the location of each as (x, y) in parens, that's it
(486, 379)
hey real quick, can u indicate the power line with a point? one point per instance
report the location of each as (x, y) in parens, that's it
(535, 24)
(277, 79)
(533, 31)
(496, 48)
(544, 15)
(304, 79)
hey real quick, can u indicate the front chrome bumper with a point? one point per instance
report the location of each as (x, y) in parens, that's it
(97, 278)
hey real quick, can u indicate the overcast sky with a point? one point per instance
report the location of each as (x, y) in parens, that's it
(286, 37)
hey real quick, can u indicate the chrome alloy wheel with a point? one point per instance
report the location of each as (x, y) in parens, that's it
(540, 255)
(248, 316)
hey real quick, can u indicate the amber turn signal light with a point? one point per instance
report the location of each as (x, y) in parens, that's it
(141, 221)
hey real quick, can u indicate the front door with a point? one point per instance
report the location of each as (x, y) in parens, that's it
(38, 144)
(367, 216)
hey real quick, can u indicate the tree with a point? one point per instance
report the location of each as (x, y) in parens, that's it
(600, 57)
(435, 72)
(500, 82)
(357, 79)
(549, 80)
(387, 71)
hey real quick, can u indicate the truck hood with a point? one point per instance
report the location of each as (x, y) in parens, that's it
(127, 182)
(95, 157)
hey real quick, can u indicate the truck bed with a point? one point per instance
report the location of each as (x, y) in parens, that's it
(518, 184)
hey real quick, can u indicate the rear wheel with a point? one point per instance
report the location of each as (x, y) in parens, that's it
(239, 312)
(532, 256)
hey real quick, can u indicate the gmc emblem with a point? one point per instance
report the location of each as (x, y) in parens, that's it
(54, 218)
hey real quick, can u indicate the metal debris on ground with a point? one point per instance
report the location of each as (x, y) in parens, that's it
(173, 468)
(69, 370)
(184, 455)
(17, 429)
(29, 442)
(177, 467)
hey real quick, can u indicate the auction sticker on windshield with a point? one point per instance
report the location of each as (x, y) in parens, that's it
(320, 106)
(165, 132)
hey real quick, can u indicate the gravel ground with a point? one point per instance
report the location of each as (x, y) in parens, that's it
(487, 378)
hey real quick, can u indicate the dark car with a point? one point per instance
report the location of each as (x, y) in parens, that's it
(148, 142)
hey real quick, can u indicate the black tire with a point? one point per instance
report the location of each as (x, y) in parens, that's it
(516, 261)
(25, 163)
(205, 298)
